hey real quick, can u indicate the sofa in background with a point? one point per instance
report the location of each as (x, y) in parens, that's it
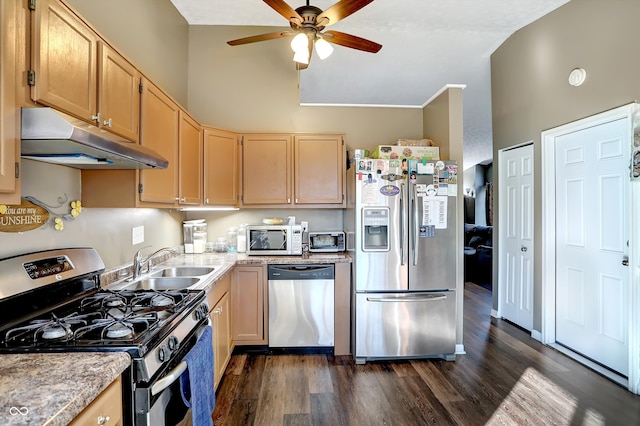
(478, 254)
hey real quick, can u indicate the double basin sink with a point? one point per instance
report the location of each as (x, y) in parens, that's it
(172, 278)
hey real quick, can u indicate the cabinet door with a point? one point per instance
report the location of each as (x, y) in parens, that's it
(221, 319)
(118, 94)
(220, 168)
(9, 120)
(267, 170)
(248, 299)
(320, 169)
(159, 132)
(105, 410)
(190, 169)
(64, 59)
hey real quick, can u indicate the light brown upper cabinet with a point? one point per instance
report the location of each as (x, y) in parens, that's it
(284, 170)
(73, 70)
(9, 120)
(190, 171)
(267, 165)
(221, 162)
(160, 132)
(118, 94)
(319, 170)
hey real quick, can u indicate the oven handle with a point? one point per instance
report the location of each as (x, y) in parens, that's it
(169, 379)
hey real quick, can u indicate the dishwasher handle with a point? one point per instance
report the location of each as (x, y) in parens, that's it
(301, 272)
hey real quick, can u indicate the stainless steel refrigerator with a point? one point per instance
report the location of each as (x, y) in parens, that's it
(401, 221)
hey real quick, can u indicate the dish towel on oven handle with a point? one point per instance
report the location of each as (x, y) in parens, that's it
(196, 383)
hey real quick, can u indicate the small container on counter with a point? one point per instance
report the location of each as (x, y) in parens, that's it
(232, 239)
(242, 238)
(221, 245)
(199, 241)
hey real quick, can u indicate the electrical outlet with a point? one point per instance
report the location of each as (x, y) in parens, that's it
(305, 226)
(137, 235)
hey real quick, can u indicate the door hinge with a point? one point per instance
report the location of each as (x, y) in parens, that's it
(241, 140)
(17, 170)
(139, 188)
(31, 78)
(140, 87)
(32, 4)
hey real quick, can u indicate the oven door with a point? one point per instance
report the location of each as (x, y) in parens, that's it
(159, 402)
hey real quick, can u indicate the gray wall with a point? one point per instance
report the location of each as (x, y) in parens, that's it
(530, 92)
(150, 33)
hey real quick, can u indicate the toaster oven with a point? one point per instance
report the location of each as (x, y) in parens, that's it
(326, 242)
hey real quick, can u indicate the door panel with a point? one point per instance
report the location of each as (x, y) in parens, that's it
(591, 243)
(516, 218)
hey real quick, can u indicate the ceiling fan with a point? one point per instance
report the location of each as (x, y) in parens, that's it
(307, 23)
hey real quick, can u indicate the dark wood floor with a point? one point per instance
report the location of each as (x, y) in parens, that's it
(505, 378)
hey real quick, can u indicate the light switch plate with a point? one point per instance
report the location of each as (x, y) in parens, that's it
(137, 235)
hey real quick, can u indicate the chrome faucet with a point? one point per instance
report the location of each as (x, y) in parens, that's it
(139, 262)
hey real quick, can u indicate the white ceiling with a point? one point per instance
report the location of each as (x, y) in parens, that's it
(427, 44)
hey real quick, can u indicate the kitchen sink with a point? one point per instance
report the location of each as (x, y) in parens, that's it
(183, 271)
(163, 283)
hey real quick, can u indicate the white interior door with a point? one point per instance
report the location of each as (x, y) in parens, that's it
(516, 236)
(592, 294)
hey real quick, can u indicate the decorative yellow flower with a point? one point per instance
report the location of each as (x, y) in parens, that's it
(58, 224)
(76, 208)
(3, 209)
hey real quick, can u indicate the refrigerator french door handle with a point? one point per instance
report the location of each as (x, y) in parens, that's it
(407, 299)
(402, 203)
(414, 224)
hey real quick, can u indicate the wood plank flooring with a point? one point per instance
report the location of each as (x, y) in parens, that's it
(505, 378)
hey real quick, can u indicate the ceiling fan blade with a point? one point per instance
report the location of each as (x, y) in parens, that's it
(354, 42)
(341, 10)
(284, 9)
(261, 37)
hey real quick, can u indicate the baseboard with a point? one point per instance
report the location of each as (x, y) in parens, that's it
(495, 313)
(460, 350)
(536, 335)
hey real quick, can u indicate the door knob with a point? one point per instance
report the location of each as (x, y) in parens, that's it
(625, 261)
(523, 249)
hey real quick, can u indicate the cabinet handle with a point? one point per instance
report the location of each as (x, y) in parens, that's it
(107, 123)
(103, 420)
(288, 200)
(206, 201)
(96, 117)
(218, 310)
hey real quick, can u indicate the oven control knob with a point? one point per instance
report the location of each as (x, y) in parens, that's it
(163, 353)
(173, 343)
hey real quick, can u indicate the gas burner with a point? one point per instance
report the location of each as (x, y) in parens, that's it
(162, 300)
(104, 299)
(56, 331)
(119, 330)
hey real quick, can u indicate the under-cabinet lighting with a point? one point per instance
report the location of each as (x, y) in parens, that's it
(204, 209)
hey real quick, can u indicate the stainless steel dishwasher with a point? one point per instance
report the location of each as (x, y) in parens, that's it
(301, 306)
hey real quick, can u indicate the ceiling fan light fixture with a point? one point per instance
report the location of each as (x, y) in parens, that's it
(324, 49)
(301, 56)
(300, 43)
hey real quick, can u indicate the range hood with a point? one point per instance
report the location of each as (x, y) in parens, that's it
(53, 137)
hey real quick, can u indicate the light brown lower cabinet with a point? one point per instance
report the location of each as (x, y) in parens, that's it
(219, 300)
(105, 410)
(248, 298)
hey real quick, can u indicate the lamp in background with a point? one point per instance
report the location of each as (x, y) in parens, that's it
(323, 48)
(300, 47)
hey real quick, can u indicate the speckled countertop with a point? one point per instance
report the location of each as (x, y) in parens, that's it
(53, 388)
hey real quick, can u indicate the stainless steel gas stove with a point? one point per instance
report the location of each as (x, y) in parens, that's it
(51, 301)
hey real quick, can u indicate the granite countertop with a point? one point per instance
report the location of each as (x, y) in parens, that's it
(53, 388)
